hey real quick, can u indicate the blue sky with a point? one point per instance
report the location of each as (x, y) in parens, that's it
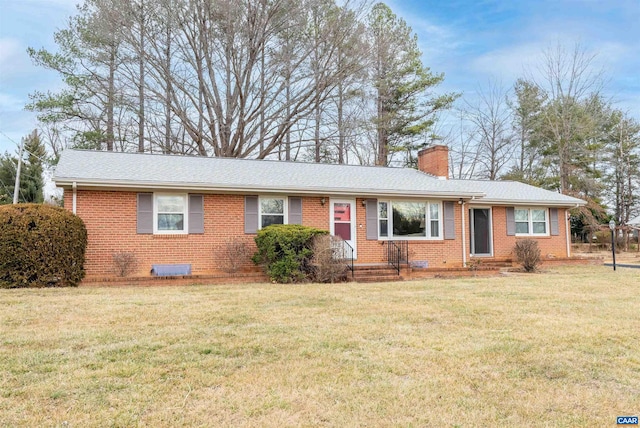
(471, 41)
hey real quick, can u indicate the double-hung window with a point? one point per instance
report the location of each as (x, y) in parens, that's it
(531, 221)
(434, 220)
(263, 211)
(404, 219)
(170, 214)
(272, 211)
(383, 219)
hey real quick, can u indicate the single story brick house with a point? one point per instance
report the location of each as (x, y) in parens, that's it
(181, 209)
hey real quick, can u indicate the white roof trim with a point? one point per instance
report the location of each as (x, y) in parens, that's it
(526, 202)
(67, 182)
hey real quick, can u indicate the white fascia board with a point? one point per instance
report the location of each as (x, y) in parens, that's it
(529, 202)
(122, 185)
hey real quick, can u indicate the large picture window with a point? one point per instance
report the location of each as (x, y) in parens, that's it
(531, 221)
(272, 211)
(170, 216)
(404, 219)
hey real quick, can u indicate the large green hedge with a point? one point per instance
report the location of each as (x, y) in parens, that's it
(40, 246)
(286, 251)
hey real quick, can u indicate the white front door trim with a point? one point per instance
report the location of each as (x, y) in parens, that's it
(352, 220)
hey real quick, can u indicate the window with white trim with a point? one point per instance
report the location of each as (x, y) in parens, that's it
(434, 220)
(383, 219)
(272, 211)
(531, 221)
(170, 213)
(410, 219)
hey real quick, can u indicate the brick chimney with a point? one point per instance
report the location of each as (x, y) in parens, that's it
(434, 160)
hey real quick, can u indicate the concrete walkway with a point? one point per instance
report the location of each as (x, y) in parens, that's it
(623, 265)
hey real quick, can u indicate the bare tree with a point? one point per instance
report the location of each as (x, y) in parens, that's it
(571, 119)
(463, 148)
(491, 121)
(526, 109)
(235, 78)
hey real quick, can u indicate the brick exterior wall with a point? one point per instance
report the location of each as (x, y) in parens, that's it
(550, 246)
(110, 218)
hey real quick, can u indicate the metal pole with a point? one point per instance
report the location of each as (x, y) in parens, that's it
(613, 249)
(16, 188)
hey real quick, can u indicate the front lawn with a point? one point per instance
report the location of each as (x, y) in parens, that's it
(555, 349)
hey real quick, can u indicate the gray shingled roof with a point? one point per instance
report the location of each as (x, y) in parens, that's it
(503, 192)
(135, 170)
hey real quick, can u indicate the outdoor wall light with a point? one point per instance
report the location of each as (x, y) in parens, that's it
(460, 201)
(323, 201)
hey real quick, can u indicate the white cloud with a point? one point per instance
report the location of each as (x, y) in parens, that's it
(9, 103)
(9, 49)
(513, 61)
(510, 62)
(435, 40)
(14, 59)
(44, 7)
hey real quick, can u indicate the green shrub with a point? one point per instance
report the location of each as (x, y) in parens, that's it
(286, 251)
(41, 246)
(527, 254)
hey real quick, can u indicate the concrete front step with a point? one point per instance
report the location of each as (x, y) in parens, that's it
(385, 272)
(377, 273)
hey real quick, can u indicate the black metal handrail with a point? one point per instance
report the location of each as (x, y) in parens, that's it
(397, 253)
(342, 250)
(349, 250)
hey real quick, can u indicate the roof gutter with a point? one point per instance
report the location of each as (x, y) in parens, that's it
(527, 202)
(67, 182)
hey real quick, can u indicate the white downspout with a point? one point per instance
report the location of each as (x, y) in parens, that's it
(568, 231)
(464, 238)
(75, 196)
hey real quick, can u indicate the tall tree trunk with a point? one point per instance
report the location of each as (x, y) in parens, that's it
(263, 95)
(341, 138)
(316, 76)
(111, 99)
(168, 89)
(141, 54)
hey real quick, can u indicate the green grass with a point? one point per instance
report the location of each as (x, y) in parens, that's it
(560, 348)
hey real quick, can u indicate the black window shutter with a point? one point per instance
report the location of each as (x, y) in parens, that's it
(511, 221)
(449, 221)
(250, 214)
(295, 210)
(145, 213)
(372, 219)
(553, 222)
(196, 214)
